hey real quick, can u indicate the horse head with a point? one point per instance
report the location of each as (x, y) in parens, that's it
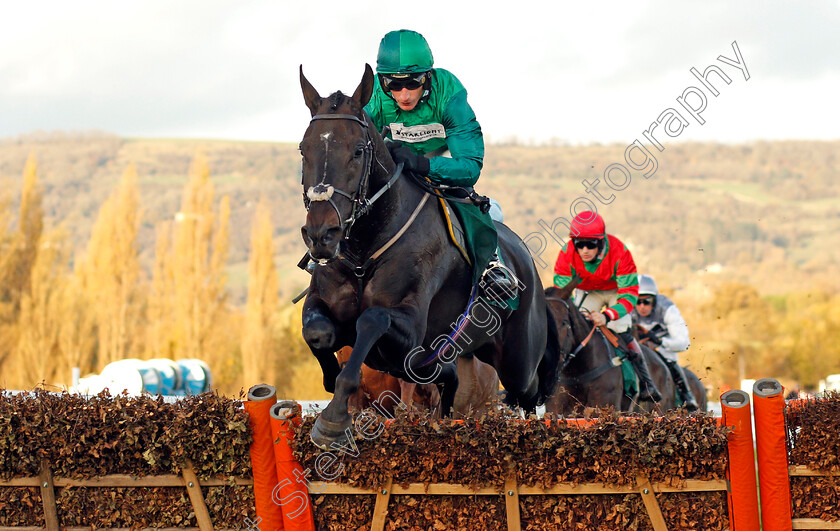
(560, 308)
(339, 149)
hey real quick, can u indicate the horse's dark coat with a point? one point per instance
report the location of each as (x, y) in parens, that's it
(415, 291)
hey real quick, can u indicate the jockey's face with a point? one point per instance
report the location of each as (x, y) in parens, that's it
(407, 99)
(587, 248)
(587, 255)
(644, 305)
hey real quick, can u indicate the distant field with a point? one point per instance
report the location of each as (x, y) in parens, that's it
(739, 203)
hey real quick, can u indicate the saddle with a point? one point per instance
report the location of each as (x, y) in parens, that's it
(454, 229)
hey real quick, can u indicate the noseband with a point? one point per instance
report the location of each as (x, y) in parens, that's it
(360, 203)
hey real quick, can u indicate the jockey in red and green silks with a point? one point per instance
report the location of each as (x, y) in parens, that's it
(612, 270)
(427, 113)
(609, 285)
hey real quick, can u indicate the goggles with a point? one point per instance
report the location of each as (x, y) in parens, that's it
(647, 301)
(586, 244)
(394, 84)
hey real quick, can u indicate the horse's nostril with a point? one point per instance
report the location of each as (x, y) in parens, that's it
(318, 236)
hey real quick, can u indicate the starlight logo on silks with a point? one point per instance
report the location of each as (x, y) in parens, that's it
(417, 133)
(251, 525)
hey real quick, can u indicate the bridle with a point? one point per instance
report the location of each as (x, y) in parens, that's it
(360, 203)
(593, 373)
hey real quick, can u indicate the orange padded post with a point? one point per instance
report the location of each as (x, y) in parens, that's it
(742, 496)
(292, 491)
(260, 399)
(771, 448)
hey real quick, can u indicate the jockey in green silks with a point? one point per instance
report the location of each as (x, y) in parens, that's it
(427, 113)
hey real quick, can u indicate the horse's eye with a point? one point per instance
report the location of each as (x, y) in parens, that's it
(359, 151)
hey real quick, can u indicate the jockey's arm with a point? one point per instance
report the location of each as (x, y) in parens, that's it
(628, 288)
(676, 340)
(465, 143)
(563, 272)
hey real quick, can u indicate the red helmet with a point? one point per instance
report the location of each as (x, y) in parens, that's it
(588, 225)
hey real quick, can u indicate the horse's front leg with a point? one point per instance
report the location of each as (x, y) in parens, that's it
(399, 323)
(447, 382)
(319, 333)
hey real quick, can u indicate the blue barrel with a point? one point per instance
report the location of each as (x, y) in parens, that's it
(197, 377)
(170, 375)
(133, 376)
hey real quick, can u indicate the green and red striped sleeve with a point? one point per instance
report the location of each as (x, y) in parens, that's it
(628, 286)
(563, 271)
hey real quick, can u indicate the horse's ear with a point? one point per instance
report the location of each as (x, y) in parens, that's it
(310, 95)
(566, 291)
(365, 88)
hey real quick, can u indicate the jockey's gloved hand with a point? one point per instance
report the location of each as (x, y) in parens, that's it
(411, 160)
(651, 337)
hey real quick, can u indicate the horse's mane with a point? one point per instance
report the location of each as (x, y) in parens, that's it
(576, 318)
(336, 99)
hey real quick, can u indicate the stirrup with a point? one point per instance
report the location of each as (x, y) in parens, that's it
(499, 276)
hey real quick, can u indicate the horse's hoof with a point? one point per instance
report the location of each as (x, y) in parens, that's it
(325, 433)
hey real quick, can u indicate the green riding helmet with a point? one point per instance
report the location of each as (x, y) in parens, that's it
(404, 52)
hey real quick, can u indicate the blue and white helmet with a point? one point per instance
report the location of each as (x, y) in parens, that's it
(647, 286)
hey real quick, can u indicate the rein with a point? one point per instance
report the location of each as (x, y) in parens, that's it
(614, 361)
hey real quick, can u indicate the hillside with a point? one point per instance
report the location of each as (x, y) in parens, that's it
(765, 213)
(746, 227)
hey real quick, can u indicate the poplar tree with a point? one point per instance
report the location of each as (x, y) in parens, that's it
(198, 259)
(112, 271)
(160, 329)
(18, 252)
(77, 330)
(258, 345)
(38, 355)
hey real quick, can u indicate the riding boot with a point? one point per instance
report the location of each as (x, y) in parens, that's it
(498, 280)
(683, 389)
(647, 389)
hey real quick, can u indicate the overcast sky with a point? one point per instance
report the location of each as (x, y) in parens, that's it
(573, 71)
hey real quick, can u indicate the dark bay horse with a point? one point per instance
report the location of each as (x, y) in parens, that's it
(389, 283)
(589, 375)
(698, 389)
(694, 383)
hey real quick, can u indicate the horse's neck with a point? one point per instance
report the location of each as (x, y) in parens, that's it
(581, 328)
(386, 216)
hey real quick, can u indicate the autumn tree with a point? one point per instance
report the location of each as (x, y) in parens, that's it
(190, 278)
(808, 336)
(38, 354)
(258, 346)
(77, 330)
(160, 329)
(18, 252)
(112, 272)
(743, 325)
